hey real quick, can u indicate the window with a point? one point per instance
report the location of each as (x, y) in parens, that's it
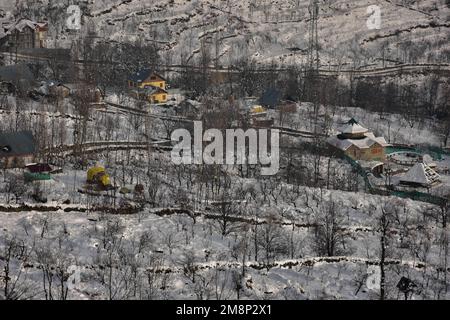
(164, 97)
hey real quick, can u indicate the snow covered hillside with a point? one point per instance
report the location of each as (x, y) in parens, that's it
(267, 31)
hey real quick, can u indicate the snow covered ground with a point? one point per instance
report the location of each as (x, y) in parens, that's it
(266, 31)
(213, 232)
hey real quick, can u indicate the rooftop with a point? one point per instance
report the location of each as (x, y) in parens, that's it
(352, 127)
(422, 174)
(8, 27)
(271, 97)
(16, 143)
(364, 143)
(142, 75)
(16, 72)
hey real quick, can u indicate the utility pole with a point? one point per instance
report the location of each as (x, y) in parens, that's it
(313, 49)
(313, 80)
(313, 60)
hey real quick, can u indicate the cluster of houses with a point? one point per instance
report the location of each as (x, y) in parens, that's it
(360, 144)
(17, 149)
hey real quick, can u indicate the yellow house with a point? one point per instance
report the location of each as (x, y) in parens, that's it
(148, 85)
(151, 94)
(146, 78)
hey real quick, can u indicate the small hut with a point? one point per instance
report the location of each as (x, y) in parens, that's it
(420, 175)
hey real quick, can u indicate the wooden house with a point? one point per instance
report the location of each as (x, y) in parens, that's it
(359, 143)
(151, 94)
(146, 78)
(147, 84)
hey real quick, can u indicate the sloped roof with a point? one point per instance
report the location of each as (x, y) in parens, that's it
(53, 53)
(16, 143)
(364, 143)
(38, 167)
(271, 97)
(152, 90)
(22, 24)
(142, 75)
(381, 140)
(352, 127)
(422, 174)
(342, 144)
(16, 72)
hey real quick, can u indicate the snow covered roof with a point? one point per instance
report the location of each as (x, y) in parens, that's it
(364, 143)
(381, 140)
(352, 127)
(342, 144)
(22, 24)
(8, 26)
(151, 90)
(422, 174)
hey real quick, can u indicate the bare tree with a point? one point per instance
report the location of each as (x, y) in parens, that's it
(14, 255)
(330, 238)
(272, 241)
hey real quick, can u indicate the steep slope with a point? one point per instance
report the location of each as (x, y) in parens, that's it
(268, 31)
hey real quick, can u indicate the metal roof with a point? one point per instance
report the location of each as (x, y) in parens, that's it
(16, 72)
(142, 75)
(16, 143)
(271, 97)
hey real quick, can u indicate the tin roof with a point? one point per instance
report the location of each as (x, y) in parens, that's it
(142, 75)
(422, 174)
(16, 143)
(271, 97)
(39, 167)
(16, 72)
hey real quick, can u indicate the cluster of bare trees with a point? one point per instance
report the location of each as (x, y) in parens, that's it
(143, 266)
